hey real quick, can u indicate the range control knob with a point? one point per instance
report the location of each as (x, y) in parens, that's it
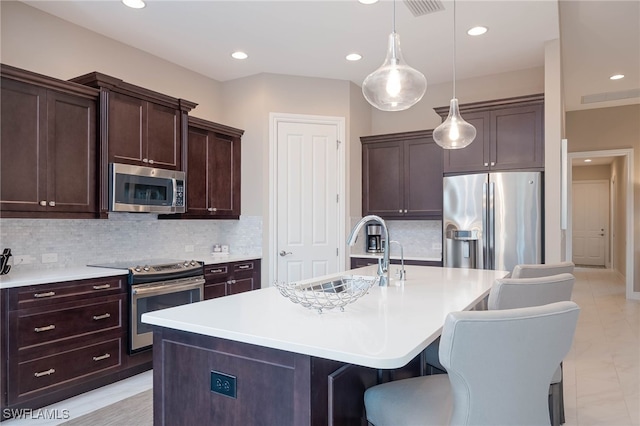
(194, 263)
(186, 263)
(137, 268)
(146, 268)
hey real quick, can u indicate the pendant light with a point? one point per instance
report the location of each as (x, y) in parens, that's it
(395, 86)
(454, 132)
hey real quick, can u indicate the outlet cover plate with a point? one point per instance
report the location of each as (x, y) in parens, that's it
(223, 384)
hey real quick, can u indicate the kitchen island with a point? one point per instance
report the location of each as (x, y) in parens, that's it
(258, 358)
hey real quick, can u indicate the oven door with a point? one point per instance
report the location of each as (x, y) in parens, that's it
(155, 296)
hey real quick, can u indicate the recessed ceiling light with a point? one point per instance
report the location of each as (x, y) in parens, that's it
(354, 57)
(588, 160)
(476, 31)
(135, 4)
(616, 77)
(239, 55)
(368, 1)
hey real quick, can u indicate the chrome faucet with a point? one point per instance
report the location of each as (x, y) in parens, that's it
(402, 274)
(383, 262)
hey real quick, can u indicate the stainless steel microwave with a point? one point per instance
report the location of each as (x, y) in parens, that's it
(145, 189)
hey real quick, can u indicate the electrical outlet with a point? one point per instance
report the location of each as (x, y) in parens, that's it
(189, 248)
(436, 246)
(50, 258)
(224, 384)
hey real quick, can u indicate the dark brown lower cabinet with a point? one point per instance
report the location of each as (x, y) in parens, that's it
(231, 278)
(359, 262)
(272, 387)
(63, 339)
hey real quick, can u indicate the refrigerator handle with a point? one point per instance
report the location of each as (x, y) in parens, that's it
(492, 225)
(485, 229)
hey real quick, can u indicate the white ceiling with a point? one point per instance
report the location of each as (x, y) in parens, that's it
(312, 38)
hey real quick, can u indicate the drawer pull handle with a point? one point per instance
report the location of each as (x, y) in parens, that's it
(47, 328)
(45, 373)
(101, 287)
(244, 266)
(217, 271)
(47, 294)
(101, 317)
(101, 357)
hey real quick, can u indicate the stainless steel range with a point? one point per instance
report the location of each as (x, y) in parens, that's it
(155, 285)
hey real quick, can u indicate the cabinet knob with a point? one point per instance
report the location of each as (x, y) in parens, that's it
(151, 162)
(43, 203)
(145, 160)
(486, 164)
(400, 211)
(52, 203)
(493, 163)
(212, 209)
(406, 211)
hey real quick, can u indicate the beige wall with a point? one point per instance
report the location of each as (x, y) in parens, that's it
(602, 172)
(611, 128)
(39, 42)
(618, 178)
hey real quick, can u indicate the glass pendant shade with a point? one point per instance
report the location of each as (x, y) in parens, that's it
(454, 132)
(395, 86)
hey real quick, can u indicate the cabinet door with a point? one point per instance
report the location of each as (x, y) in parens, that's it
(23, 146)
(476, 156)
(162, 137)
(423, 178)
(517, 139)
(126, 129)
(382, 179)
(71, 170)
(224, 175)
(197, 172)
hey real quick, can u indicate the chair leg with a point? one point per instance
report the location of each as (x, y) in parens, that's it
(554, 404)
(562, 420)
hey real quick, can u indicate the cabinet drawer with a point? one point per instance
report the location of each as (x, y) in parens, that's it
(44, 327)
(56, 369)
(212, 271)
(243, 266)
(48, 294)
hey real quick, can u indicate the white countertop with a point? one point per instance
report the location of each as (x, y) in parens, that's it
(386, 328)
(17, 278)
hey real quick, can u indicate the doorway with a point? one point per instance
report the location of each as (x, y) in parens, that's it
(621, 231)
(307, 203)
(591, 205)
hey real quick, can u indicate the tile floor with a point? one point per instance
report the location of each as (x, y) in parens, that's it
(601, 372)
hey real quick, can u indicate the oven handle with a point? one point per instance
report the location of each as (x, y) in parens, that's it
(163, 288)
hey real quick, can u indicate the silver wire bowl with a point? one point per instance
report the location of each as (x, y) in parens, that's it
(328, 294)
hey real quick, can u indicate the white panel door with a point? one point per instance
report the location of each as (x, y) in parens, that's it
(307, 207)
(590, 222)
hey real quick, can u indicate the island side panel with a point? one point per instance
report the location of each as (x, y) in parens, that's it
(273, 386)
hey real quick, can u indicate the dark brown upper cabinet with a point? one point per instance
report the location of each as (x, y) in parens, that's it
(142, 127)
(510, 136)
(137, 126)
(402, 176)
(49, 147)
(213, 171)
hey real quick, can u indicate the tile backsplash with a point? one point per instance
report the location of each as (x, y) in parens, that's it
(124, 236)
(419, 238)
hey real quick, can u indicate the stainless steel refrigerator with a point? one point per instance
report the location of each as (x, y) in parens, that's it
(493, 220)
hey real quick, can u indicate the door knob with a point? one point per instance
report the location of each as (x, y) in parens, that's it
(284, 253)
